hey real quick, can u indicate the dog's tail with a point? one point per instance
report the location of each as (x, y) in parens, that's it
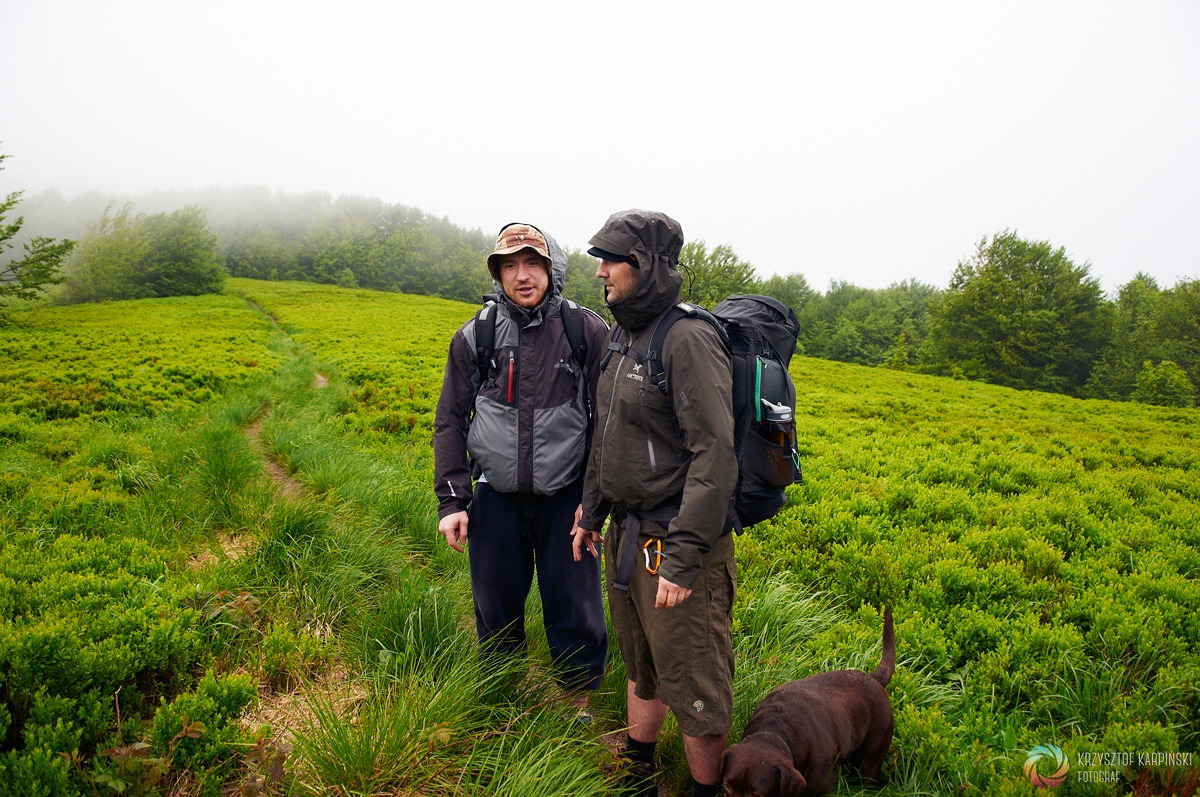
(887, 664)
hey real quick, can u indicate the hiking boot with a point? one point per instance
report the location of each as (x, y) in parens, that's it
(638, 781)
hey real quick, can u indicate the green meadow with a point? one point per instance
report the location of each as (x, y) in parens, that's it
(173, 621)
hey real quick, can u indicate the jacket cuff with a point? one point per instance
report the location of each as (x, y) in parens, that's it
(592, 523)
(685, 577)
(451, 508)
(595, 518)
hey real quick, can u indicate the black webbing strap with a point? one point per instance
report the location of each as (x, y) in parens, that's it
(627, 554)
(613, 347)
(485, 339)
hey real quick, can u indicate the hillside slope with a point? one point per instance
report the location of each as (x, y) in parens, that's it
(1040, 553)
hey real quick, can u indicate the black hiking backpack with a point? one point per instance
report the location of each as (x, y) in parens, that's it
(760, 334)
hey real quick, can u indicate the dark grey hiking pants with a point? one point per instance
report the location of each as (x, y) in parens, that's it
(511, 535)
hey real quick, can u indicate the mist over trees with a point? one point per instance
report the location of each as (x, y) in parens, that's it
(1017, 312)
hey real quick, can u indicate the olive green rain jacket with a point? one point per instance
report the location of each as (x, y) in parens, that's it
(652, 449)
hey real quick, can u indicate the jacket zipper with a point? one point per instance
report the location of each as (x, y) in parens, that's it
(512, 360)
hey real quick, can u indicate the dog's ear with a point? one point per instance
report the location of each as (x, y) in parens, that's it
(731, 783)
(791, 782)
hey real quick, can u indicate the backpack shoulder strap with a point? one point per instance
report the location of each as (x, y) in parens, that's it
(613, 346)
(485, 333)
(665, 322)
(485, 339)
(572, 318)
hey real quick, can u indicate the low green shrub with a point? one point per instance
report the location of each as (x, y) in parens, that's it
(198, 730)
(288, 655)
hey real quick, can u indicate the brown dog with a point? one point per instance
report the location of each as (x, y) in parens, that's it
(803, 730)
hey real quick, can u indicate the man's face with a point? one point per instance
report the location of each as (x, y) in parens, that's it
(525, 277)
(619, 277)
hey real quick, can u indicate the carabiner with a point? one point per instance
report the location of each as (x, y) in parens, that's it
(658, 555)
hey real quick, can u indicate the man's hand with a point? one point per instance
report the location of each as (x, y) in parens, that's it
(670, 594)
(584, 538)
(454, 529)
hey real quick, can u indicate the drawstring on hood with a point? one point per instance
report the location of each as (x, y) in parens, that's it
(654, 240)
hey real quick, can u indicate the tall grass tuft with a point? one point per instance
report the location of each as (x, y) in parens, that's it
(771, 631)
(461, 728)
(241, 407)
(539, 762)
(417, 625)
(290, 534)
(411, 510)
(222, 464)
(780, 617)
(330, 569)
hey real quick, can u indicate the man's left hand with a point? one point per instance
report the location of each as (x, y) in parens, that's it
(670, 594)
(584, 538)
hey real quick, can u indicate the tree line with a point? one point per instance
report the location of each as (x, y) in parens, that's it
(1017, 312)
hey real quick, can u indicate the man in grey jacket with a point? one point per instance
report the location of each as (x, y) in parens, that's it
(510, 443)
(663, 467)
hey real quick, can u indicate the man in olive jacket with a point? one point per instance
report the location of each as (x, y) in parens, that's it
(663, 466)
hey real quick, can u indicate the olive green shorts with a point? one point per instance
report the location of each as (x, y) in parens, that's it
(683, 655)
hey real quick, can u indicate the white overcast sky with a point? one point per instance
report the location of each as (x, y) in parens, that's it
(869, 142)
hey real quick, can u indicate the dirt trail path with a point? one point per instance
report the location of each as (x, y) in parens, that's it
(288, 710)
(234, 546)
(285, 484)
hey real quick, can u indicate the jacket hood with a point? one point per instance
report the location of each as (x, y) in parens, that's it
(654, 240)
(558, 278)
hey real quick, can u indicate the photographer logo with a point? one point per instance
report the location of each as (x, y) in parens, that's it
(1046, 758)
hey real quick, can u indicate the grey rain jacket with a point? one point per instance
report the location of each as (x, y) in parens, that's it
(639, 459)
(529, 429)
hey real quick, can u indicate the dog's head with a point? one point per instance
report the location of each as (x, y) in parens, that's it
(754, 769)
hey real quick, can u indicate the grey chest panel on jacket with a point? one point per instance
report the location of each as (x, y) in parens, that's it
(529, 431)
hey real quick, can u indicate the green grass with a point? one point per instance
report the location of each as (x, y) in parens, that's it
(1040, 555)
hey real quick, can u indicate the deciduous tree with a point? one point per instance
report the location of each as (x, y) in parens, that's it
(180, 257)
(1019, 313)
(1177, 327)
(260, 253)
(1131, 340)
(791, 289)
(128, 257)
(1164, 384)
(26, 277)
(713, 275)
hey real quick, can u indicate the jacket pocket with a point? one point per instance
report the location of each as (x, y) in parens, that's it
(492, 443)
(559, 440)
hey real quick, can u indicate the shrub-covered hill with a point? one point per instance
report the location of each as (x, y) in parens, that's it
(1040, 554)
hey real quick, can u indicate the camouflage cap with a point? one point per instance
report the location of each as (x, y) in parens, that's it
(514, 238)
